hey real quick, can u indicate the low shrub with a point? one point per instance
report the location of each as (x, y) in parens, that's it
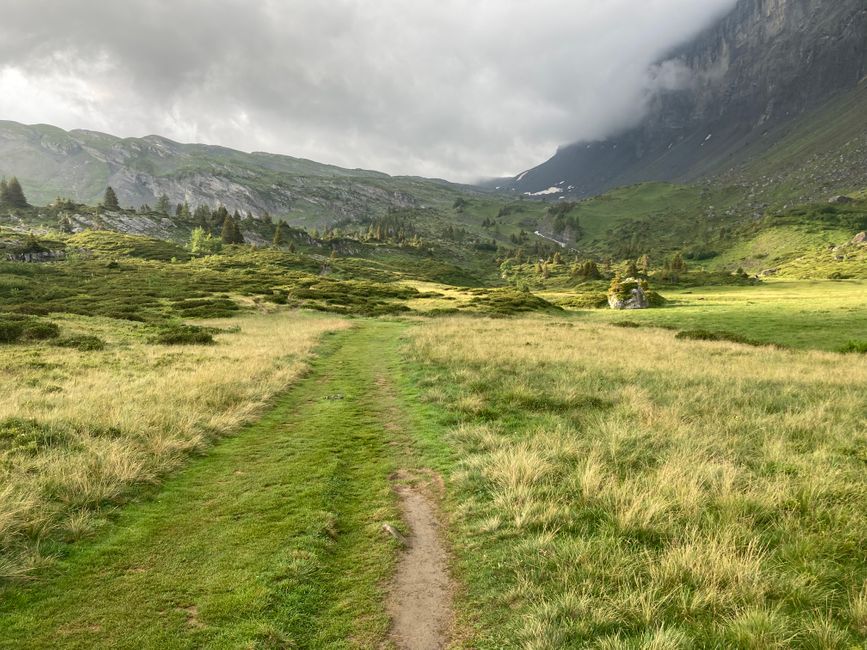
(183, 335)
(216, 307)
(708, 335)
(40, 331)
(507, 302)
(626, 324)
(10, 331)
(16, 327)
(83, 343)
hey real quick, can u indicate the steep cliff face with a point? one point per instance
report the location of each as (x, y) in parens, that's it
(745, 79)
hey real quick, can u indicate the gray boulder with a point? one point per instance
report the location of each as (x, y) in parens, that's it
(628, 294)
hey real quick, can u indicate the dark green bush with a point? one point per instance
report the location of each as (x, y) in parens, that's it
(84, 343)
(707, 335)
(183, 335)
(40, 331)
(626, 323)
(10, 331)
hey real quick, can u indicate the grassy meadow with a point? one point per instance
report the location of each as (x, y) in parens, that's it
(619, 488)
(806, 314)
(80, 428)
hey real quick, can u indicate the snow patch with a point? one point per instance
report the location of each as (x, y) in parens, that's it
(550, 190)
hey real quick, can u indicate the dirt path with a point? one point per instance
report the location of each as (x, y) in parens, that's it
(272, 539)
(421, 597)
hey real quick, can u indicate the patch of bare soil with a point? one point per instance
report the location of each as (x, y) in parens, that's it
(421, 596)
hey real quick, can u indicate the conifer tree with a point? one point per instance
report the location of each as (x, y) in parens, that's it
(228, 233)
(218, 217)
(237, 237)
(164, 205)
(11, 194)
(110, 199)
(278, 235)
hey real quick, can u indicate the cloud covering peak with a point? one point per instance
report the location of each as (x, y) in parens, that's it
(459, 89)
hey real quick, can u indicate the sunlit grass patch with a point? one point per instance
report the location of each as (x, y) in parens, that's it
(101, 410)
(619, 488)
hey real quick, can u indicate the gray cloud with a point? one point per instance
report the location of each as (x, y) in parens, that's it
(454, 88)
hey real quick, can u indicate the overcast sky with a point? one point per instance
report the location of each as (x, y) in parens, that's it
(460, 89)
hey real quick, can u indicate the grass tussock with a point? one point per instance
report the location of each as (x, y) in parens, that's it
(618, 488)
(85, 420)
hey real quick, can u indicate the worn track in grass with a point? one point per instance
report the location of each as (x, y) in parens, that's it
(272, 540)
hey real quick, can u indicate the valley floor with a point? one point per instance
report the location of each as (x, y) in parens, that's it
(603, 487)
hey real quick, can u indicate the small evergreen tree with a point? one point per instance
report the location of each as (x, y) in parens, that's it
(164, 206)
(228, 232)
(11, 194)
(237, 237)
(218, 217)
(109, 201)
(278, 235)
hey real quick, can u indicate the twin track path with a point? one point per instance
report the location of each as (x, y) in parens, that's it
(272, 540)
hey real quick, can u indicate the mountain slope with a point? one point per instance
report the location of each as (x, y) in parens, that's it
(51, 162)
(749, 77)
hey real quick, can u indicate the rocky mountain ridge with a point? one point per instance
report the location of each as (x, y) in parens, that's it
(51, 163)
(765, 64)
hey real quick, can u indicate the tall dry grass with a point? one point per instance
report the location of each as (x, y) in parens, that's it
(79, 429)
(622, 489)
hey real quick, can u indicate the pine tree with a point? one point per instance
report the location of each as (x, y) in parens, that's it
(237, 237)
(164, 205)
(219, 216)
(278, 235)
(110, 199)
(11, 194)
(228, 233)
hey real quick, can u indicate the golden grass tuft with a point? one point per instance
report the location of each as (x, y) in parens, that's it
(109, 420)
(624, 489)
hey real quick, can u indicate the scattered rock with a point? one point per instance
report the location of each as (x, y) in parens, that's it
(769, 272)
(628, 294)
(841, 200)
(860, 238)
(37, 256)
(395, 533)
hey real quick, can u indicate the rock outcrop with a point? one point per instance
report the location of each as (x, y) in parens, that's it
(629, 294)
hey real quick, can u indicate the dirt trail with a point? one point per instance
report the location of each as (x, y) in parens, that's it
(421, 598)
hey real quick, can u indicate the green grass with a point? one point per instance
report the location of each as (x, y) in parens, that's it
(618, 488)
(820, 315)
(271, 540)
